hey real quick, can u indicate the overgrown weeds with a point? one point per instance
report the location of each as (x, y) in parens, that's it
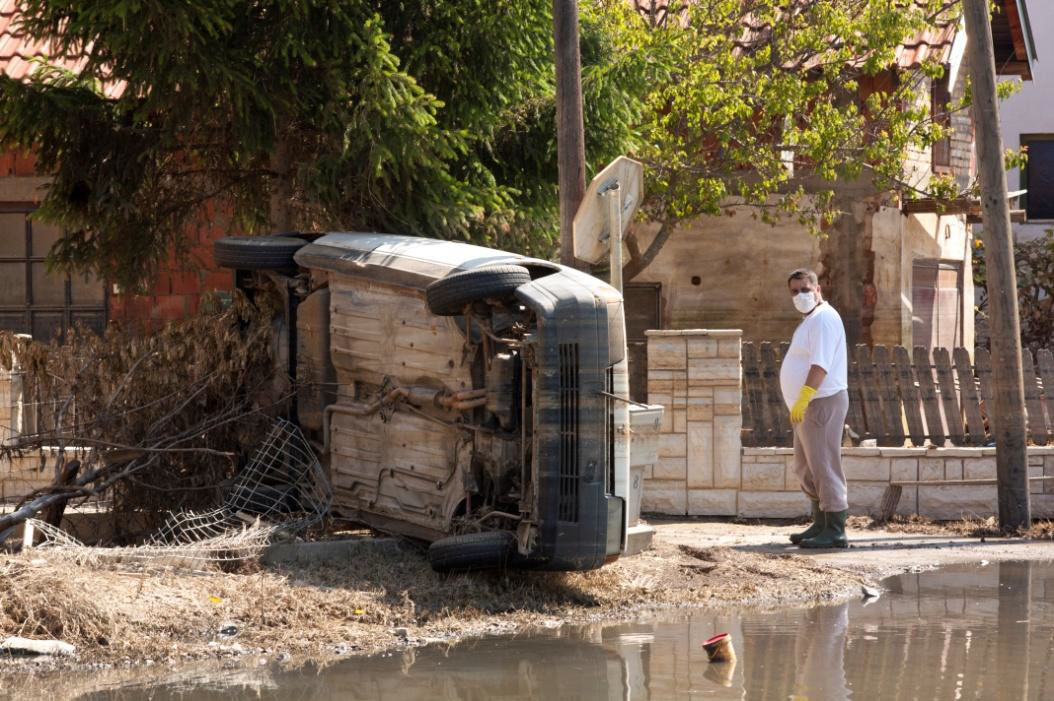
(157, 421)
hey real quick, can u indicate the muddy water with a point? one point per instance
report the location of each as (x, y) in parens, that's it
(960, 633)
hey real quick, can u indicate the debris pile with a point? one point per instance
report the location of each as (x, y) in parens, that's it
(146, 422)
(283, 491)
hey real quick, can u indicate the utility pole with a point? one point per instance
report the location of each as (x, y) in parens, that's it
(570, 129)
(1008, 410)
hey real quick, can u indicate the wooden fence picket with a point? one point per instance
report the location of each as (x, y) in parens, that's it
(1045, 360)
(778, 417)
(876, 421)
(891, 407)
(949, 398)
(1037, 421)
(753, 396)
(856, 418)
(928, 392)
(909, 394)
(968, 398)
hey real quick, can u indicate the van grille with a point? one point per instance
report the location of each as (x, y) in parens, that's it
(569, 432)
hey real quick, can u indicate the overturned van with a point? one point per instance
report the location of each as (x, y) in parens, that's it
(457, 394)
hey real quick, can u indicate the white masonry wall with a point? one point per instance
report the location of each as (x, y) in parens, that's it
(703, 470)
(697, 376)
(18, 475)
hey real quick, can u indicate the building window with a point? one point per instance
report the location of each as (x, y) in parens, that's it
(32, 300)
(1038, 177)
(940, 99)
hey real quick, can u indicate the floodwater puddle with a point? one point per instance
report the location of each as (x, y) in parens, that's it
(958, 633)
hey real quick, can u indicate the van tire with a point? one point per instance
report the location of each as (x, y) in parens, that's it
(257, 252)
(450, 295)
(472, 551)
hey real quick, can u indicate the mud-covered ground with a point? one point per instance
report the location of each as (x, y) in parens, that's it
(389, 598)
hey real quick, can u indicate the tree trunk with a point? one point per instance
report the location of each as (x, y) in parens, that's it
(282, 219)
(570, 129)
(1008, 410)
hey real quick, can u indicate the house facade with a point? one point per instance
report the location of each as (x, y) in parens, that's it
(898, 271)
(45, 304)
(1027, 120)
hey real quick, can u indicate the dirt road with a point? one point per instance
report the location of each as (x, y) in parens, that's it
(388, 598)
(873, 552)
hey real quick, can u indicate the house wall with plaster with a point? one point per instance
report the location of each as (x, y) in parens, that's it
(1030, 112)
(731, 271)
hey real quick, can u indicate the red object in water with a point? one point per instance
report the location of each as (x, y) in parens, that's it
(711, 641)
(719, 648)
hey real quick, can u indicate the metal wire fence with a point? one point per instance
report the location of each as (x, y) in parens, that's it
(281, 492)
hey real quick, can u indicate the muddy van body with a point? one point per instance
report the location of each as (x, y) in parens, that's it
(457, 394)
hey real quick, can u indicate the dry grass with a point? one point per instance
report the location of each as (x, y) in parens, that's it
(113, 614)
(965, 528)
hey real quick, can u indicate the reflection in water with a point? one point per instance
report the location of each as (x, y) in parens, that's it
(821, 672)
(960, 633)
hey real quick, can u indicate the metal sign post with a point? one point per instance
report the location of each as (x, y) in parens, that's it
(613, 195)
(600, 223)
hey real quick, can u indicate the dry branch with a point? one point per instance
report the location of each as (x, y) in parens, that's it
(158, 420)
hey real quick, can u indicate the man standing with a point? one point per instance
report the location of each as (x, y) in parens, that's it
(814, 380)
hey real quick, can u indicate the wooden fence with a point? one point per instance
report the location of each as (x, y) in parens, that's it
(896, 396)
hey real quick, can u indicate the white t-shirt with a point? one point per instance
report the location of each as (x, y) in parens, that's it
(818, 340)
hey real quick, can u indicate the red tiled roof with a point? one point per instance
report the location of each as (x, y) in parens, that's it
(934, 42)
(931, 43)
(21, 56)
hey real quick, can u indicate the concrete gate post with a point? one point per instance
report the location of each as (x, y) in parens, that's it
(697, 376)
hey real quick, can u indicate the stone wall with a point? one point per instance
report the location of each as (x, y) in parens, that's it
(703, 470)
(697, 377)
(770, 487)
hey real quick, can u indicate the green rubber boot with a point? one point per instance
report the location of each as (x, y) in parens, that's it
(814, 529)
(833, 533)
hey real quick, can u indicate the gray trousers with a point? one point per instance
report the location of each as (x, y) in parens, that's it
(818, 452)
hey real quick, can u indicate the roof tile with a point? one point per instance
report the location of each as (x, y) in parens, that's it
(17, 51)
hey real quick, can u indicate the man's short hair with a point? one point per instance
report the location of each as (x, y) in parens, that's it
(804, 273)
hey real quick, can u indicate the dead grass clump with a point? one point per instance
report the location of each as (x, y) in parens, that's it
(963, 528)
(38, 601)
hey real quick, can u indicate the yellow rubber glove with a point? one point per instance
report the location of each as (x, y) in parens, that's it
(801, 404)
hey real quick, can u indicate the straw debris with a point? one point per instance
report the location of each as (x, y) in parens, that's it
(363, 604)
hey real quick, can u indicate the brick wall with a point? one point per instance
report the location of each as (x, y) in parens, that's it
(962, 136)
(703, 470)
(178, 290)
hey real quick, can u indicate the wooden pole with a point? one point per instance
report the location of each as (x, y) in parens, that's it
(1008, 407)
(570, 128)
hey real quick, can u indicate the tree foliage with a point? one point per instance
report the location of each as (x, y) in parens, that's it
(1034, 265)
(436, 117)
(767, 103)
(417, 116)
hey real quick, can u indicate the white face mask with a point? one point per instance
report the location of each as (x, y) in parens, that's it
(805, 302)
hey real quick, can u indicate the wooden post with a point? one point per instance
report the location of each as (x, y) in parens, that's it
(570, 128)
(1007, 413)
